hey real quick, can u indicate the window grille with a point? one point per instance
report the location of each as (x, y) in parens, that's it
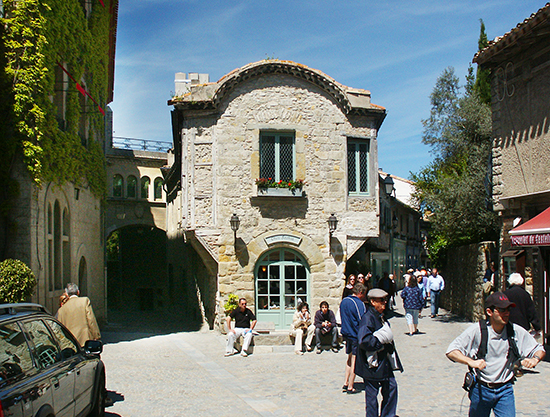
(358, 166)
(277, 156)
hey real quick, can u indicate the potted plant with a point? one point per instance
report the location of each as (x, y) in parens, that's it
(268, 186)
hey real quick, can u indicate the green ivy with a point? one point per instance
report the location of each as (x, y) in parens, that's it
(36, 35)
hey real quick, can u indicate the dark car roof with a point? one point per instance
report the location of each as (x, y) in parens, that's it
(9, 311)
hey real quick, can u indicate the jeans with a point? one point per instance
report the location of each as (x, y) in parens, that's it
(389, 397)
(484, 399)
(411, 315)
(319, 336)
(434, 301)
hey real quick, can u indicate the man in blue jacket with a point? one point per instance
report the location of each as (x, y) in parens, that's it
(352, 309)
(377, 357)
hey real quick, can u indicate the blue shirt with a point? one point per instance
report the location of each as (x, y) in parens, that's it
(352, 310)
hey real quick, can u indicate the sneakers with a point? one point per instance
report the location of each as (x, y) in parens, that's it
(298, 352)
(309, 348)
(335, 349)
(319, 351)
(244, 354)
(230, 353)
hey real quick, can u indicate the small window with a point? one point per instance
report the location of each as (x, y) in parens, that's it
(117, 185)
(131, 187)
(158, 188)
(277, 156)
(358, 166)
(145, 181)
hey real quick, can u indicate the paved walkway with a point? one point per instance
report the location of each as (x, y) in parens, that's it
(186, 374)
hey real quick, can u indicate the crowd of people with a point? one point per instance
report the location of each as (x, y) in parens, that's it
(493, 349)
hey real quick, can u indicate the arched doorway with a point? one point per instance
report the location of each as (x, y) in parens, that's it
(281, 283)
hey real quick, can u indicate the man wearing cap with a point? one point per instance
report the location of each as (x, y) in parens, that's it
(495, 373)
(377, 357)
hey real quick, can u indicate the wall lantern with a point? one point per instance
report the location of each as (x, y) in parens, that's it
(388, 185)
(332, 224)
(235, 222)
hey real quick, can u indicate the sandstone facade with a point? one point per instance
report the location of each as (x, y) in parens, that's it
(218, 158)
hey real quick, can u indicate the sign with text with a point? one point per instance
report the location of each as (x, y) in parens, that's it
(271, 240)
(542, 239)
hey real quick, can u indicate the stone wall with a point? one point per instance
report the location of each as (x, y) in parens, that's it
(221, 162)
(463, 273)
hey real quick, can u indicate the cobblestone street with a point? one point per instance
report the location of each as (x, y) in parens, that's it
(186, 374)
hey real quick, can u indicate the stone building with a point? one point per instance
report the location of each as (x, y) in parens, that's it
(283, 122)
(520, 85)
(135, 226)
(52, 138)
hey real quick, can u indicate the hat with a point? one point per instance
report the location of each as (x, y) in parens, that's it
(498, 299)
(377, 293)
(417, 273)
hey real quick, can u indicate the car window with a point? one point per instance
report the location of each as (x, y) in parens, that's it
(15, 357)
(45, 349)
(67, 346)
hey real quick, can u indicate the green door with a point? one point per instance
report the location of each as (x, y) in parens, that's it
(282, 282)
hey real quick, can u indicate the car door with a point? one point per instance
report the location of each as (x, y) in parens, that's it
(84, 367)
(60, 371)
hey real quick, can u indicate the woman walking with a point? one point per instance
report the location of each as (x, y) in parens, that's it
(413, 302)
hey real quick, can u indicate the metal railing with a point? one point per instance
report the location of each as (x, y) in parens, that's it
(140, 144)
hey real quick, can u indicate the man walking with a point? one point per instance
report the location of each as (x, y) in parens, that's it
(78, 316)
(435, 286)
(493, 351)
(245, 320)
(377, 357)
(352, 309)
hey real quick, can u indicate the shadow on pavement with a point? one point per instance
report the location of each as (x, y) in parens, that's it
(132, 325)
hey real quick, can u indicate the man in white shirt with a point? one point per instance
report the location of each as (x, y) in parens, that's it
(435, 285)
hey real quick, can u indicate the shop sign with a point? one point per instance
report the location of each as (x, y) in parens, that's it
(531, 240)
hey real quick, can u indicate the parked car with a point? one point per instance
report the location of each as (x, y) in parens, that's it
(43, 370)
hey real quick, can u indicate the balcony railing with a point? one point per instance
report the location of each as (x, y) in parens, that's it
(140, 144)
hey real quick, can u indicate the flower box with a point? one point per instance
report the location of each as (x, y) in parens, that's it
(280, 192)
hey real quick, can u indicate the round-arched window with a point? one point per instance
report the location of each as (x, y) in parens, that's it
(282, 283)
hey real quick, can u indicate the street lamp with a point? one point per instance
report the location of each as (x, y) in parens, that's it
(235, 222)
(388, 185)
(332, 224)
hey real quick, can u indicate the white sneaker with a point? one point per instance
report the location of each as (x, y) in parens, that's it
(244, 354)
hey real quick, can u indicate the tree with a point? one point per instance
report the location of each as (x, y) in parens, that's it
(17, 281)
(482, 82)
(453, 188)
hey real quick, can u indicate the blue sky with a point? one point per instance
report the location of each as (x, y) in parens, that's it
(395, 49)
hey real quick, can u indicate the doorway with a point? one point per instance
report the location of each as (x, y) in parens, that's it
(282, 283)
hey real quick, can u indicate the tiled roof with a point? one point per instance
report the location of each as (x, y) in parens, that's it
(510, 38)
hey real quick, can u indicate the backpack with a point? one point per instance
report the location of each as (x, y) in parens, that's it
(512, 350)
(470, 377)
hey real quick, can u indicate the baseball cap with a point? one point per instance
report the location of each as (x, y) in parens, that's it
(498, 299)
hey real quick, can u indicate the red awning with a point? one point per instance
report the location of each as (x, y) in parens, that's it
(534, 232)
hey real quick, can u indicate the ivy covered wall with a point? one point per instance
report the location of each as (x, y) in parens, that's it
(53, 51)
